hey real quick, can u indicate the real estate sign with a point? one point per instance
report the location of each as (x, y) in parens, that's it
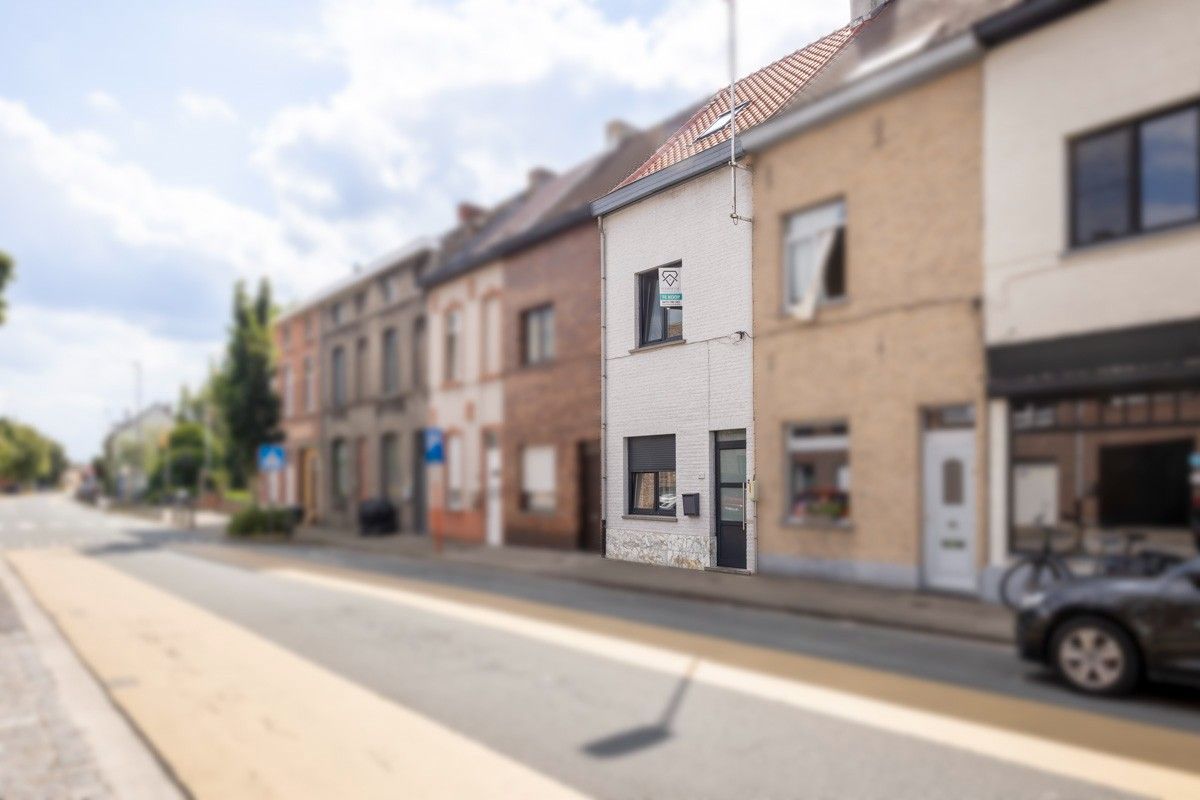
(670, 287)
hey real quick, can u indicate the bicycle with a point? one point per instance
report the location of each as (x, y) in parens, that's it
(1034, 572)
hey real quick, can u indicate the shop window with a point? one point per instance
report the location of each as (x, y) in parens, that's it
(1139, 176)
(537, 326)
(538, 465)
(814, 256)
(651, 461)
(655, 323)
(819, 472)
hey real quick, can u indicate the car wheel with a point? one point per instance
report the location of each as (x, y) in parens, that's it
(1095, 656)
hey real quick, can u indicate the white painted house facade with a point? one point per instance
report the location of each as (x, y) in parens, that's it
(677, 413)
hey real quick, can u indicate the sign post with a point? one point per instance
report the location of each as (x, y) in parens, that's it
(670, 287)
(435, 460)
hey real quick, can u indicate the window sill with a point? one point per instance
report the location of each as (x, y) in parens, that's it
(657, 346)
(650, 517)
(794, 315)
(817, 524)
(1079, 250)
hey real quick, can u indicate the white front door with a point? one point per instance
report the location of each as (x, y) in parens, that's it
(494, 507)
(949, 510)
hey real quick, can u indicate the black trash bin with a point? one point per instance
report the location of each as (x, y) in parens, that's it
(376, 517)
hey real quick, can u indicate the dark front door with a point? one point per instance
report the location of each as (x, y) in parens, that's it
(590, 537)
(418, 482)
(731, 499)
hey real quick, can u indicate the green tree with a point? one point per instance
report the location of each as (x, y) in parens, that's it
(6, 275)
(249, 405)
(27, 456)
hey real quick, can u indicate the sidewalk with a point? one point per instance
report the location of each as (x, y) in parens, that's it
(60, 737)
(918, 611)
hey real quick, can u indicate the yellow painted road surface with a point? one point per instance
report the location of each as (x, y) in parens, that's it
(236, 716)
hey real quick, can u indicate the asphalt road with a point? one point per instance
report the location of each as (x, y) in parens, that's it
(560, 692)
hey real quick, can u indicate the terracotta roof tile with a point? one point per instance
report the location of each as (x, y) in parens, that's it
(765, 92)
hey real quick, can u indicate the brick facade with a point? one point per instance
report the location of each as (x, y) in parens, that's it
(298, 381)
(907, 336)
(556, 403)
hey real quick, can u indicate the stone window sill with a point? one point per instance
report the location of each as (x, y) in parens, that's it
(658, 346)
(817, 524)
(650, 518)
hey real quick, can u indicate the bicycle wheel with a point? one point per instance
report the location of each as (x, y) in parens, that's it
(1029, 575)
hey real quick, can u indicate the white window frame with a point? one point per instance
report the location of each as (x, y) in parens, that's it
(816, 229)
(539, 478)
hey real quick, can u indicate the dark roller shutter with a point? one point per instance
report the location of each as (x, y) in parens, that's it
(651, 453)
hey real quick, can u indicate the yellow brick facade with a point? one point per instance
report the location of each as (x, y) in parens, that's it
(908, 335)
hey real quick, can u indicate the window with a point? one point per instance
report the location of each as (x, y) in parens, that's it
(360, 303)
(721, 121)
(651, 462)
(455, 470)
(389, 465)
(387, 288)
(310, 385)
(285, 383)
(285, 336)
(418, 353)
(337, 377)
(492, 341)
(308, 328)
(335, 314)
(453, 335)
(340, 474)
(1137, 177)
(538, 478)
(819, 472)
(655, 324)
(360, 369)
(537, 326)
(390, 367)
(814, 258)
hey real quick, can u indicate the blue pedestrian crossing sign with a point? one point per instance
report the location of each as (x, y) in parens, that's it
(271, 458)
(435, 452)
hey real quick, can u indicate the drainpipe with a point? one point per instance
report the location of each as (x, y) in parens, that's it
(603, 389)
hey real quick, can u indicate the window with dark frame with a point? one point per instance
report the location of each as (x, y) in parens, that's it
(651, 465)
(337, 371)
(1137, 177)
(537, 327)
(656, 324)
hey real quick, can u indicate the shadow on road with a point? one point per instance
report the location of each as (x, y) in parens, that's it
(140, 540)
(624, 743)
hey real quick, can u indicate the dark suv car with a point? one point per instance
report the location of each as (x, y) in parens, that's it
(1104, 634)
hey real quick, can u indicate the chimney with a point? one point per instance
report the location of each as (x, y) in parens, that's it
(538, 176)
(864, 8)
(617, 131)
(469, 214)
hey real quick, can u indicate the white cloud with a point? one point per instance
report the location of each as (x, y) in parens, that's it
(206, 107)
(143, 212)
(71, 374)
(102, 101)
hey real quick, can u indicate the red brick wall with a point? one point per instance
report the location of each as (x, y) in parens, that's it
(556, 403)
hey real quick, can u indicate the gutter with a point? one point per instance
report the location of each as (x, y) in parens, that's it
(1025, 18)
(950, 55)
(655, 182)
(603, 389)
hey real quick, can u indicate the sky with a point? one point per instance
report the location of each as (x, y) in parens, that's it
(152, 152)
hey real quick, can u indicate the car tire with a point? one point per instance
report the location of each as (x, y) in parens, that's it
(1095, 656)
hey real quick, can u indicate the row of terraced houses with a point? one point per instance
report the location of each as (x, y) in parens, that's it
(939, 288)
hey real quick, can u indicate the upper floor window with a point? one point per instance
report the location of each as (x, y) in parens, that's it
(1137, 177)
(335, 314)
(285, 385)
(814, 258)
(308, 327)
(309, 390)
(418, 353)
(360, 369)
(537, 326)
(452, 366)
(285, 335)
(655, 324)
(337, 376)
(390, 356)
(360, 302)
(492, 341)
(387, 288)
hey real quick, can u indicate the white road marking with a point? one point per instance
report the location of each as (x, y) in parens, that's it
(1023, 749)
